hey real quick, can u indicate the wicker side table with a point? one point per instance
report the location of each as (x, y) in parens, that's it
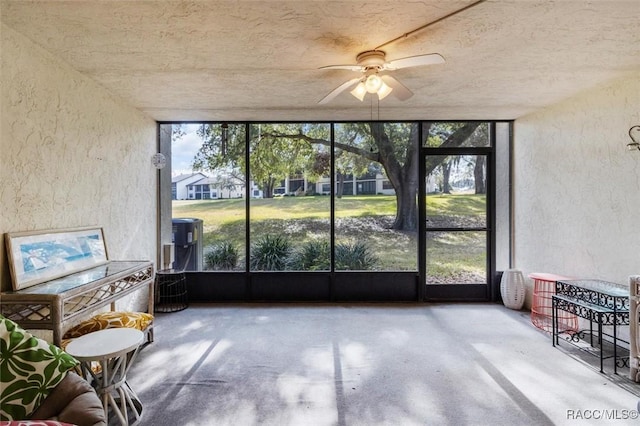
(171, 291)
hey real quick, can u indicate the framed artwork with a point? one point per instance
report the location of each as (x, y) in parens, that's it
(39, 256)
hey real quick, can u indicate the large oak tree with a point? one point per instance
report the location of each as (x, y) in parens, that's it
(280, 150)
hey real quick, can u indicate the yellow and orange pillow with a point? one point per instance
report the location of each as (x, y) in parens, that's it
(138, 320)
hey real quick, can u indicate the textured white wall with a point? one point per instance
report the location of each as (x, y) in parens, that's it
(577, 188)
(72, 155)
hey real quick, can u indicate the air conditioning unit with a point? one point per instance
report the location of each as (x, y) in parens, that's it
(187, 239)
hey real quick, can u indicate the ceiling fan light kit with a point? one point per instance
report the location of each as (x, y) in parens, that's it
(383, 90)
(373, 83)
(376, 80)
(360, 91)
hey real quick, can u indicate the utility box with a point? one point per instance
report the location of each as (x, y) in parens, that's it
(187, 240)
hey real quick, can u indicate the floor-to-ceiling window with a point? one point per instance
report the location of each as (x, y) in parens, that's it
(289, 228)
(375, 224)
(351, 210)
(213, 153)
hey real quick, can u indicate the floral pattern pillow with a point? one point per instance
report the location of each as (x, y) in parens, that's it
(29, 370)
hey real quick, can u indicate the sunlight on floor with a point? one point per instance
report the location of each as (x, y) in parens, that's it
(310, 398)
(181, 359)
(397, 365)
(528, 373)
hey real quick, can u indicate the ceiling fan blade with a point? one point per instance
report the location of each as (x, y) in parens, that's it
(342, 67)
(400, 91)
(335, 92)
(415, 61)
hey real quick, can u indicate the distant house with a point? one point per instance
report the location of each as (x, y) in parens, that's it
(198, 186)
(366, 184)
(202, 189)
(179, 184)
(208, 188)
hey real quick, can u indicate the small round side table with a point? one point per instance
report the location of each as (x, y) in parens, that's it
(115, 349)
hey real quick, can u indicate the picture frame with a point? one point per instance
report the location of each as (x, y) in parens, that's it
(39, 256)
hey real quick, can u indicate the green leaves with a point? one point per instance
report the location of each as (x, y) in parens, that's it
(222, 256)
(315, 255)
(275, 253)
(29, 369)
(270, 253)
(354, 257)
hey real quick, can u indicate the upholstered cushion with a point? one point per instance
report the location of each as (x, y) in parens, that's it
(29, 370)
(72, 401)
(138, 320)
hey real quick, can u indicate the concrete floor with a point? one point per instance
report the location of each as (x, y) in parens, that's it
(368, 364)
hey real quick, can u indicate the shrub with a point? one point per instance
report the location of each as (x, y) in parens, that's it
(222, 256)
(354, 257)
(313, 256)
(270, 253)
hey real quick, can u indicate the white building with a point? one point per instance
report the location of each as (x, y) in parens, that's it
(208, 188)
(179, 185)
(368, 184)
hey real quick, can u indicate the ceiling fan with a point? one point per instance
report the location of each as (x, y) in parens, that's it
(373, 65)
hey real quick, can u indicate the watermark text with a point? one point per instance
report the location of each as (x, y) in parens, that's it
(602, 414)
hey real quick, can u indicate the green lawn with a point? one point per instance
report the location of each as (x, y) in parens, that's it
(358, 218)
(289, 208)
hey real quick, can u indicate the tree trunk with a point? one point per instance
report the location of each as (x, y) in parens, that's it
(446, 172)
(479, 175)
(404, 178)
(268, 188)
(407, 208)
(340, 189)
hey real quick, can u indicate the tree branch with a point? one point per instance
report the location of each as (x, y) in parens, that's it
(373, 156)
(456, 139)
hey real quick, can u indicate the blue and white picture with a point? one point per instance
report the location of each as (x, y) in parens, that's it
(40, 257)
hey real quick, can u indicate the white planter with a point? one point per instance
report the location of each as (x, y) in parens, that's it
(512, 289)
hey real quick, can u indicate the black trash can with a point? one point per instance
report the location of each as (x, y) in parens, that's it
(170, 291)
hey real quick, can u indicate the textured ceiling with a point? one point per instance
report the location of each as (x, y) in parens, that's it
(259, 60)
